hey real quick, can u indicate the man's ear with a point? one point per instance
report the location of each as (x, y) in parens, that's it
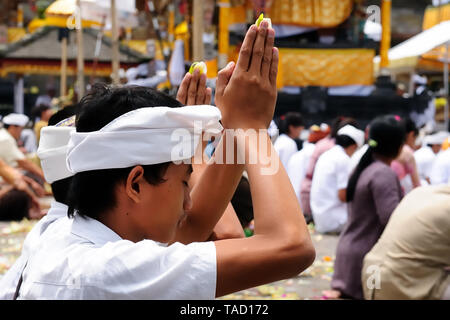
(134, 180)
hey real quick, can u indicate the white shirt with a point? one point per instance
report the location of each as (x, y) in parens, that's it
(297, 166)
(29, 140)
(440, 173)
(8, 283)
(330, 175)
(425, 158)
(285, 147)
(83, 259)
(9, 151)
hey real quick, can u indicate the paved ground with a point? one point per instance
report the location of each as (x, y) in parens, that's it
(308, 285)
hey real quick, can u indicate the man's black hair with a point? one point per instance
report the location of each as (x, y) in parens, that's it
(294, 119)
(344, 141)
(92, 193)
(410, 126)
(341, 122)
(14, 205)
(37, 110)
(62, 114)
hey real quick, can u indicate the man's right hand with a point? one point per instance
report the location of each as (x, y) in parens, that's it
(246, 93)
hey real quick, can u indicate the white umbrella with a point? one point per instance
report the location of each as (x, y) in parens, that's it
(422, 43)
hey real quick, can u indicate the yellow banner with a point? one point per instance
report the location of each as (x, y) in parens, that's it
(327, 67)
(50, 69)
(322, 67)
(436, 15)
(311, 13)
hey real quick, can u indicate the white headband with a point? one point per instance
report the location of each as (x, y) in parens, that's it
(143, 136)
(52, 152)
(356, 134)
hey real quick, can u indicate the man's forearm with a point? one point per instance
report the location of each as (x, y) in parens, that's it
(9, 174)
(31, 167)
(211, 194)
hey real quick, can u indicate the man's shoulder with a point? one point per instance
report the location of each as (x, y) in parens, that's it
(444, 156)
(4, 135)
(431, 193)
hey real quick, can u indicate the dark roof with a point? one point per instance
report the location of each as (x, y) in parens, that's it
(44, 44)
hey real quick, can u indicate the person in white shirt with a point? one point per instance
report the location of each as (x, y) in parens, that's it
(290, 129)
(328, 190)
(9, 150)
(136, 222)
(298, 164)
(440, 173)
(52, 152)
(427, 154)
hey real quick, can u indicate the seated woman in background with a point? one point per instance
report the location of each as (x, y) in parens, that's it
(405, 165)
(373, 193)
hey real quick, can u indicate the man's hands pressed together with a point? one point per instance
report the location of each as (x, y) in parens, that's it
(193, 90)
(246, 92)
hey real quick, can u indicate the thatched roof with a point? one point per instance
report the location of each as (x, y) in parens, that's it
(44, 45)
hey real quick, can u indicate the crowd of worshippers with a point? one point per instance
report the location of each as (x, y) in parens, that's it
(22, 180)
(134, 220)
(129, 222)
(386, 192)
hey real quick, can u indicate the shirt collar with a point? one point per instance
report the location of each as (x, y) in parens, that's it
(57, 209)
(93, 230)
(341, 150)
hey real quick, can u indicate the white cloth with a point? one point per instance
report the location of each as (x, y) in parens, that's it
(425, 158)
(356, 134)
(84, 259)
(427, 117)
(286, 148)
(29, 140)
(150, 82)
(9, 151)
(440, 173)
(16, 119)
(356, 157)
(273, 131)
(331, 174)
(131, 74)
(437, 138)
(176, 65)
(143, 136)
(52, 152)
(297, 166)
(8, 283)
(43, 99)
